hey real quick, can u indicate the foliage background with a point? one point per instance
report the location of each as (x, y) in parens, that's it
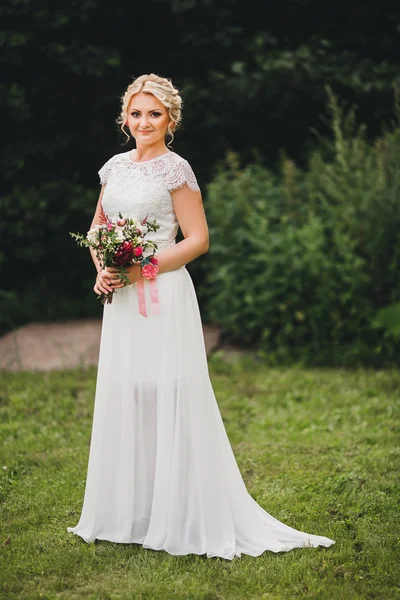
(254, 77)
(318, 248)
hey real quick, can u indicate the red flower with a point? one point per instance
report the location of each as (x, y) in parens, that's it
(149, 271)
(124, 253)
(153, 260)
(138, 251)
(121, 222)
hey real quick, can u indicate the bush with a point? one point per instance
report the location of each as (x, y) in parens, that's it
(301, 262)
(45, 276)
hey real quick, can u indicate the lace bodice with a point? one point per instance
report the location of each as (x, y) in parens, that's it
(140, 189)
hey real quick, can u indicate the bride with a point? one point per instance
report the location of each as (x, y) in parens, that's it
(161, 470)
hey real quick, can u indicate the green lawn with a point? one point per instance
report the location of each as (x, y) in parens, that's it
(318, 449)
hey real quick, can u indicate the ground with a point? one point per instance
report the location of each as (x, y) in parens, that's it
(317, 448)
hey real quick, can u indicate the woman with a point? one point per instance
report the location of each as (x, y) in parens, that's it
(161, 470)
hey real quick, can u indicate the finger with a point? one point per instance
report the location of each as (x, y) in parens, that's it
(98, 290)
(104, 290)
(106, 284)
(106, 276)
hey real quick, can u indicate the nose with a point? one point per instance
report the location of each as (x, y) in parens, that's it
(143, 122)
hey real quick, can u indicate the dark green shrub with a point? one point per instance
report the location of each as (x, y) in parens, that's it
(300, 263)
(45, 276)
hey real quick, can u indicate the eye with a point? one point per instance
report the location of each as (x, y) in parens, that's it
(135, 113)
(156, 113)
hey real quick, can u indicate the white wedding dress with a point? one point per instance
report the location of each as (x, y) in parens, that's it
(161, 470)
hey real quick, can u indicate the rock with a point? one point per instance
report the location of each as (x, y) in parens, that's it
(64, 345)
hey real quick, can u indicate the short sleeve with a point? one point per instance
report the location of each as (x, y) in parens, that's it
(104, 172)
(181, 174)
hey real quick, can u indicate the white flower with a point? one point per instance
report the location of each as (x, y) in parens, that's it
(92, 235)
(119, 232)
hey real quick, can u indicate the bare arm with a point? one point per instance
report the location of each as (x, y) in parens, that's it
(189, 211)
(97, 220)
(103, 280)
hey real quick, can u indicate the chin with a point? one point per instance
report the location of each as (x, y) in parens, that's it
(150, 140)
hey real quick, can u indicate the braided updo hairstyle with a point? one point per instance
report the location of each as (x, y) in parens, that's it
(162, 89)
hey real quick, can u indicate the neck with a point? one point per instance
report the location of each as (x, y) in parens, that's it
(148, 152)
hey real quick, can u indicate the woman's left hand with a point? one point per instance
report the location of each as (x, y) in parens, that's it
(132, 272)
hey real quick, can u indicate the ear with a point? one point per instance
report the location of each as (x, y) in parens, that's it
(172, 125)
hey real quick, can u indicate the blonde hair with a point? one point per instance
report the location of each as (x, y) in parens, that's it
(162, 89)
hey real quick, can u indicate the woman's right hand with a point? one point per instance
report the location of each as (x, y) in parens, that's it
(103, 283)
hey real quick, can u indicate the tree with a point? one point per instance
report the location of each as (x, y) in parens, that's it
(253, 76)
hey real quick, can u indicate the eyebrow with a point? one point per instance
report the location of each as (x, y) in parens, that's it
(151, 110)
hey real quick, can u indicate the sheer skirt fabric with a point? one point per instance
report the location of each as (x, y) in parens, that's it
(161, 469)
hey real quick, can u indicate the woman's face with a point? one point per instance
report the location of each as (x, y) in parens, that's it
(148, 119)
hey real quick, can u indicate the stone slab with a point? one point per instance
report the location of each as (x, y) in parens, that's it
(63, 345)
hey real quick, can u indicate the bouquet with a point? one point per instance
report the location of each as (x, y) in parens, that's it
(120, 244)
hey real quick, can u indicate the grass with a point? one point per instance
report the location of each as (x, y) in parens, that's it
(318, 449)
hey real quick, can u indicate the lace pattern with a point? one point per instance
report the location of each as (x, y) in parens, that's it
(174, 170)
(143, 189)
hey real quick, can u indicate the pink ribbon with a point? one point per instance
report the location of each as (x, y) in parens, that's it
(141, 297)
(155, 304)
